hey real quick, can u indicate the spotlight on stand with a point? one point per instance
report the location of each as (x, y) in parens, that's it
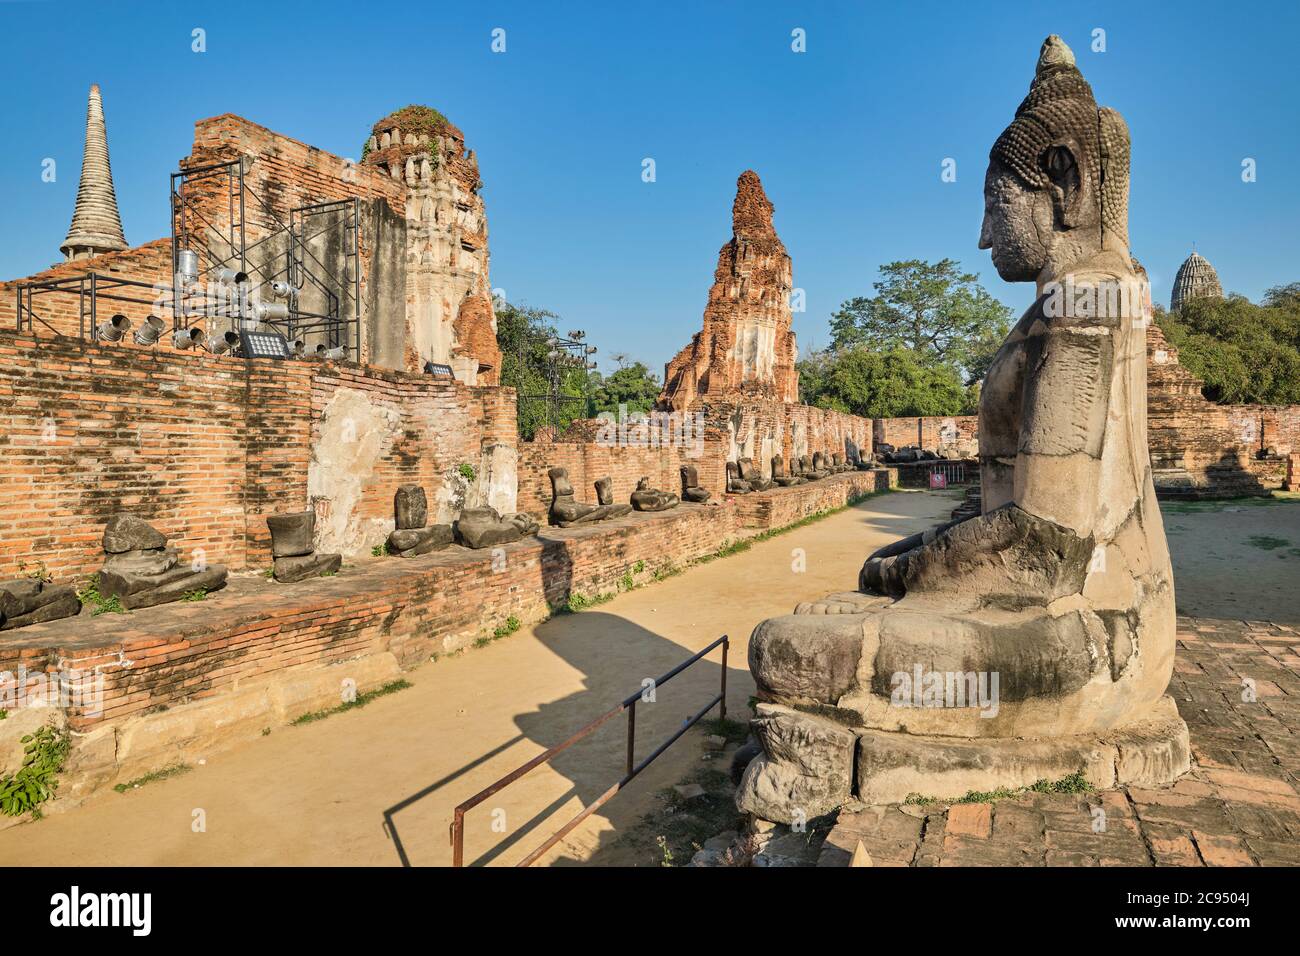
(283, 289)
(224, 276)
(222, 344)
(269, 311)
(113, 329)
(150, 331)
(336, 354)
(187, 267)
(298, 349)
(438, 370)
(191, 338)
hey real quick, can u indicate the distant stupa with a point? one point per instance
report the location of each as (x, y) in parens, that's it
(1196, 279)
(96, 225)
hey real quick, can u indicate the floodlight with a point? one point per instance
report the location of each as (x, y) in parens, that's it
(187, 266)
(219, 346)
(336, 353)
(113, 329)
(150, 331)
(192, 337)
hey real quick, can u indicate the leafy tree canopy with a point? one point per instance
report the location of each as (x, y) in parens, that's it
(934, 310)
(522, 334)
(633, 385)
(894, 382)
(1246, 353)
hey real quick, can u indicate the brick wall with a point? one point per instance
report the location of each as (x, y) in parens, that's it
(60, 312)
(586, 461)
(176, 654)
(1200, 448)
(924, 432)
(204, 446)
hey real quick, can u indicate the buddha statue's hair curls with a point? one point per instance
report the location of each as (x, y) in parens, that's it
(1060, 109)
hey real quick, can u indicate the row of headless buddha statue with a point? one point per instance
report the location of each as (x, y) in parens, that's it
(743, 477)
(566, 511)
(140, 570)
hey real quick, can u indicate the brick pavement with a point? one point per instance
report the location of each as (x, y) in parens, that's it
(1237, 684)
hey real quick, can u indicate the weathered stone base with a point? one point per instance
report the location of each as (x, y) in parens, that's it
(808, 764)
(1149, 753)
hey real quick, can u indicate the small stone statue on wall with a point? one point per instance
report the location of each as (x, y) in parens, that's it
(779, 475)
(736, 485)
(294, 550)
(141, 571)
(34, 601)
(486, 528)
(565, 510)
(691, 490)
(605, 496)
(411, 537)
(752, 476)
(646, 498)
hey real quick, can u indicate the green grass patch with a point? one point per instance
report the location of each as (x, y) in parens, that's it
(380, 550)
(173, 771)
(89, 595)
(1267, 542)
(735, 731)
(391, 687)
(198, 594)
(581, 602)
(1074, 783)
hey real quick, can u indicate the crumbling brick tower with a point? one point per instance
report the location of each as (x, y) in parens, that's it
(746, 346)
(449, 315)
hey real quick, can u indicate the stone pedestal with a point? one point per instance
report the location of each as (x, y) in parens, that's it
(410, 536)
(29, 601)
(294, 551)
(141, 571)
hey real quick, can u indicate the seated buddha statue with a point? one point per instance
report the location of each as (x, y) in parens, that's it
(1035, 638)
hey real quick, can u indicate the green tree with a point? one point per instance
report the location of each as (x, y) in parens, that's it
(934, 310)
(1245, 353)
(884, 384)
(522, 335)
(633, 385)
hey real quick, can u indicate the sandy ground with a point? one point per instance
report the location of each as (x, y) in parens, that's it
(1237, 559)
(314, 794)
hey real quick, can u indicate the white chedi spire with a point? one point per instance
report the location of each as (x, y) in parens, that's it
(96, 225)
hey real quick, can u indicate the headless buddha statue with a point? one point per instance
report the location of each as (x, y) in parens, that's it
(1034, 639)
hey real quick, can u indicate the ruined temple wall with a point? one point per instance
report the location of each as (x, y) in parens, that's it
(204, 447)
(760, 428)
(625, 464)
(756, 429)
(59, 313)
(926, 431)
(1201, 447)
(284, 173)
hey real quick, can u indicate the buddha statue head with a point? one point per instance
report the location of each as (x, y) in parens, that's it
(1056, 192)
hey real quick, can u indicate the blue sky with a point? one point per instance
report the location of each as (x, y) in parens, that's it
(848, 137)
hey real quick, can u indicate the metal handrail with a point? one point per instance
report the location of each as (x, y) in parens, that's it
(631, 767)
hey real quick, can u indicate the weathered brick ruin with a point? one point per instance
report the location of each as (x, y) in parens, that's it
(746, 346)
(448, 295)
(420, 242)
(1202, 449)
(206, 446)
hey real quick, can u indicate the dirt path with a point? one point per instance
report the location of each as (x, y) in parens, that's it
(313, 794)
